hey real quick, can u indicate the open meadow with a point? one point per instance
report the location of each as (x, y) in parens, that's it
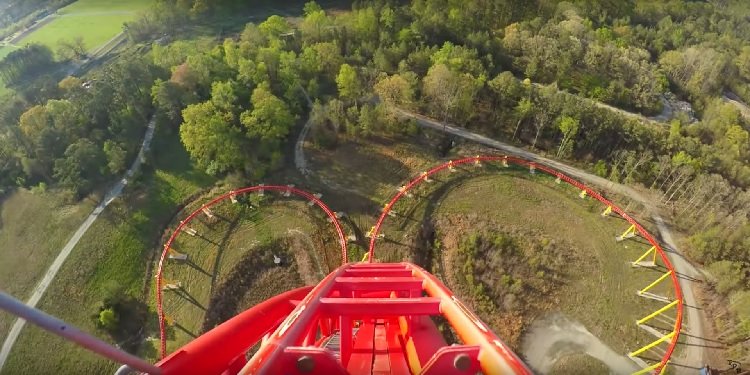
(94, 21)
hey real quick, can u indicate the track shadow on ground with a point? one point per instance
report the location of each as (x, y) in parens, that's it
(221, 247)
(661, 269)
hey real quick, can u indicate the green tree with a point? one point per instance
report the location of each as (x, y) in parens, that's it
(274, 27)
(223, 96)
(348, 83)
(116, 155)
(211, 139)
(523, 110)
(40, 138)
(366, 24)
(170, 98)
(459, 59)
(395, 90)
(200, 8)
(452, 93)
(506, 88)
(320, 58)
(728, 276)
(742, 62)
(316, 26)
(71, 49)
(231, 53)
(270, 119)
(67, 118)
(737, 139)
(569, 128)
(80, 167)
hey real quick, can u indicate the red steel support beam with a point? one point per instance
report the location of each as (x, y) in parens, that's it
(378, 284)
(214, 351)
(229, 195)
(381, 307)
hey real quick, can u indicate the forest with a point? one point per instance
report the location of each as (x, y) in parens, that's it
(532, 72)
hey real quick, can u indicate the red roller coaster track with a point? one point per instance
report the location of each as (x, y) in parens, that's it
(372, 317)
(559, 175)
(189, 218)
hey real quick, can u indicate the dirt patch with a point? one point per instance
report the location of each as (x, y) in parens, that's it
(302, 247)
(578, 363)
(243, 279)
(555, 338)
(721, 325)
(509, 275)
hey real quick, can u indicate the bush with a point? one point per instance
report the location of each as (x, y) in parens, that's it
(108, 320)
(729, 276)
(124, 318)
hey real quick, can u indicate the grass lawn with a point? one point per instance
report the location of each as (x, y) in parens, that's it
(600, 284)
(5, 49)
(33, 229)
(113, 253)
(95, 21)
(240, 236)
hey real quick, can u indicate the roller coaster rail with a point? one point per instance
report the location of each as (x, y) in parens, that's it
(286, 189)
(635, 228)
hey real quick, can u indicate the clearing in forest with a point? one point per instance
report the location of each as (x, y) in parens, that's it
(93, 20)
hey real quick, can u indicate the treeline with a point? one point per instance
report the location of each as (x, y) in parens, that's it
(467, 64)
(25, 63)
(80, 134)
(170, 17)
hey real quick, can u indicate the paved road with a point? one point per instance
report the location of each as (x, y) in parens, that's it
(693, 353)
(299, 147)
(113, 193)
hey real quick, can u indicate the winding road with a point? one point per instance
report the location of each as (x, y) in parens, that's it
(113, 193)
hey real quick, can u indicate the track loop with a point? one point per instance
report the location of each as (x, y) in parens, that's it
(585, 190)
(278, 188)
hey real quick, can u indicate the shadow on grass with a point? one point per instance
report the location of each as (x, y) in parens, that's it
(197, 267)
(221, 247)
(658, 268)
(227, 297)
(183, 329)
(188, 297)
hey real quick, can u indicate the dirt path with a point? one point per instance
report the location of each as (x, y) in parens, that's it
(732, 98)
(657, 121)
(299, 147)
(49, 276)
(693, 353)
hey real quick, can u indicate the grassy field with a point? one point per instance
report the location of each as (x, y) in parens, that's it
(6, 49)
(240, 234)
(94, 20)
(33, 228)
(599, 285)
(115, 252)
